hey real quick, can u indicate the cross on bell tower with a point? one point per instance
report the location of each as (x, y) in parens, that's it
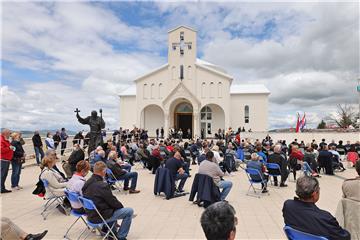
(181, 51)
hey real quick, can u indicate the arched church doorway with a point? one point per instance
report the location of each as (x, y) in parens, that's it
(183, 118)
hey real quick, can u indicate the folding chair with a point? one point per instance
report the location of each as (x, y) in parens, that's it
(274, 167)
(254, 172)
(52, 202)
(112, 180)
(293, 234)
(90, 206)
(74, 197)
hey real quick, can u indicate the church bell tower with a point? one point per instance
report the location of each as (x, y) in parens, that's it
(181, 53)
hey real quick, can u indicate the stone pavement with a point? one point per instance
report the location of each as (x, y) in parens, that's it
(171, 219)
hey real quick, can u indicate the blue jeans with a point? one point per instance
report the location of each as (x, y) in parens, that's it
(39, 150)
(226, 187)
(126, 215)
(4, 166)
(307, 168)
(182, 178)
(126, 167)
(127, 176)
(15, 175)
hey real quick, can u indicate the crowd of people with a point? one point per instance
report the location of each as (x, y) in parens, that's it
(216, 158)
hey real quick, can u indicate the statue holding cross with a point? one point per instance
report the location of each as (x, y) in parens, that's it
(96, 123)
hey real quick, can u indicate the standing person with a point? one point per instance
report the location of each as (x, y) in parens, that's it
(6, 155)
(17, 161)
(189, 133)
(162, 132)
(63, 136)
(157, 134)
(49, 141)
(78, 137)
(36, 139)
(57, 139)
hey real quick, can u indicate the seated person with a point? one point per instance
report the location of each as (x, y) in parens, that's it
(259, 151)
(52, 154)
(10, 231)
(155, 159)
(142, 154)
(122, 174)
(218, 221)
(76, 183)
(107, 204)
(256, 164)
(76, 155)
(175, 166)
(351, 187)
(302, 214)
(210, 168)
(56, 182)
(99, 157)
(336, 159)
(325, 160)
(217, 157)
(93, 154)
(278, 158)
(352, 156)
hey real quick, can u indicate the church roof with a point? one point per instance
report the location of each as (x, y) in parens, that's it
(248, 89)
(210, 65)
(192, 29)
(130, 91)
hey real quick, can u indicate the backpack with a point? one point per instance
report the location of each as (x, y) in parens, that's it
(40, 188)
(293, 164)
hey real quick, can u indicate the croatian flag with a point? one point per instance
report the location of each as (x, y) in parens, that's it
(303, 122)
(297, 123)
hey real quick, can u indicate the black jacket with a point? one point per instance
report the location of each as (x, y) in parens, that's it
(307, 217)
(205, 189)
(164, 182)
(36, 139)
(19, 151)
(100, 193)
(115, 168)
(279, 159)
(75, 157)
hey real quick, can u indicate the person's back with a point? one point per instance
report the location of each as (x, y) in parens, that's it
(100, 193)
(173, 165)
(351, 187)
(302, 213)
(211, 169)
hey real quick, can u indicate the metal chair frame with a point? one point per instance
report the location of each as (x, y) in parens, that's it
(112, 180)
(249, 172)
(74, 197)
(89, 205)
(49, 205)
(273, 166)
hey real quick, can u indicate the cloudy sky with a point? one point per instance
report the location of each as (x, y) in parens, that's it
(59, 56)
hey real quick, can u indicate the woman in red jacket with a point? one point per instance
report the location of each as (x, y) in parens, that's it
(6, 154)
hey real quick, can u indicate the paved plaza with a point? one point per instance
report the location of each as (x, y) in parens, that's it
(176, 218)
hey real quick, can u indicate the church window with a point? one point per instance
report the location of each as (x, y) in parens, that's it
(152, 91)
(219, 90)
(184, 108)
(212, 89)
(206, 120)
(246, 114)
(189, 72)
(173, 72)
(145, 90)
(203, 90)
(160, 90)
(181, 72)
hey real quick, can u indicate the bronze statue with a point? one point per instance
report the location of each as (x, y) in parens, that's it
(96, 124)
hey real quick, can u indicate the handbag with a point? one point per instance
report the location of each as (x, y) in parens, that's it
(40, 188)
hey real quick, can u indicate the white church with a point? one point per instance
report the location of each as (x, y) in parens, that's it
(190, 93)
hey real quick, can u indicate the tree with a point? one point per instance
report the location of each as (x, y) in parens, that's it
(345, 116)
(322, 125)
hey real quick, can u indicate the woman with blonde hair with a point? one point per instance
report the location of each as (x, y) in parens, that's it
(17, 160)
(56, 183)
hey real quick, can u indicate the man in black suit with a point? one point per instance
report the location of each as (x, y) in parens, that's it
(279, 158)
(302, 214)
